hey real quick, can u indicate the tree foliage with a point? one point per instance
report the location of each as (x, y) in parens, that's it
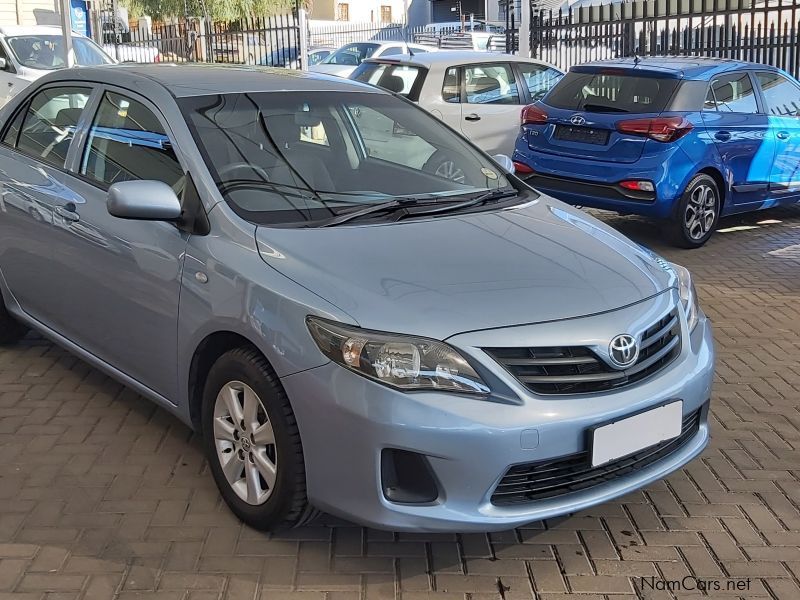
(215, 9)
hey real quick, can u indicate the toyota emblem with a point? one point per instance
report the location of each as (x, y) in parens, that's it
(578, 120)
(623, 351)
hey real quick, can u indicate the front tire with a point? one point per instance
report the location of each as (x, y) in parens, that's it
(252, 442)
(696, 214)
(11, 330)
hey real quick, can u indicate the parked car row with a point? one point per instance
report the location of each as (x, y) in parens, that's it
(278, 260)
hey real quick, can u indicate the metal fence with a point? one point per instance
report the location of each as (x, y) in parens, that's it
(764, 31)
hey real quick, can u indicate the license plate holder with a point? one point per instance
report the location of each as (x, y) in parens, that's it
(584, 135)
(628, 435)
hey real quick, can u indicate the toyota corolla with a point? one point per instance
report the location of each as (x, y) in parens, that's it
(273, 258)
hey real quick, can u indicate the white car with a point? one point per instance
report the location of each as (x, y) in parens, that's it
(345, 60)
(479, 94)
(27, 53)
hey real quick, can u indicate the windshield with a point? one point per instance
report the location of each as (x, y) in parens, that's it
(401, 79)
(611, 92)
(352, 54)
(281, 159)
(46, 52)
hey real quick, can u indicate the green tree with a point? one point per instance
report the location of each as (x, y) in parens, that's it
(215, 9)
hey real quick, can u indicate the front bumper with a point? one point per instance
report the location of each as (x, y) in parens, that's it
(346, 420)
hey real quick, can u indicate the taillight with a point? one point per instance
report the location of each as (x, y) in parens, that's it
(637, 185)
(533, 115)
(520, 167)
(660, 129)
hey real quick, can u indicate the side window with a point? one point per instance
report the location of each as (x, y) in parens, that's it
(538, 79)
(392, 50)
(49, 123)
(12, 133)
(451, 91)
(782, 95)
(126, 141)
(490, 84)
(734, 94)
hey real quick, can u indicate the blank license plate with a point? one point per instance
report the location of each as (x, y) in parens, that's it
(627, 436)
(585, 135)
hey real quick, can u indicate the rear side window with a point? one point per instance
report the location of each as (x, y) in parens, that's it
(732, 94)
(781, 94)
(612, 93)
(539, 79)
(49, 123)
(405, 80)
(127, 142)
(451, 92)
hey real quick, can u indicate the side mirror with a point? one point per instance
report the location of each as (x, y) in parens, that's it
(143, 200)
(505, 162)
(3, 64)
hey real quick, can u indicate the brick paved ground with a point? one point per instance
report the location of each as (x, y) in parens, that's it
(103, 496)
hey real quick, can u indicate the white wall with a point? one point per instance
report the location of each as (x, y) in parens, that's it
(366, 11)
(8, 11)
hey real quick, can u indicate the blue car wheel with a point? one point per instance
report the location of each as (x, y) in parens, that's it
(697, 213)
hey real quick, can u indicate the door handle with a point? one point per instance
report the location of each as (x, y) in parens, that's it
(472, 117)
(68, 213)
(723, 136)
(782, 135)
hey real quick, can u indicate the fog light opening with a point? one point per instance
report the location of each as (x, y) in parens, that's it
(407, 477)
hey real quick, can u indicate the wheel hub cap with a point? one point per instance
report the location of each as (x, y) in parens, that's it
(701, 212)
(245, 442)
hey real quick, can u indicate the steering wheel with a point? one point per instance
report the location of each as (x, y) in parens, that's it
(243, 165)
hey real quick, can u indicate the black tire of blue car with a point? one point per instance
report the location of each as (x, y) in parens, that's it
(286, 505)
(11, 330)
(696, 214)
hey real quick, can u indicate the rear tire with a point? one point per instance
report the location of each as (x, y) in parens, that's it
(696, 214)
(252, 442)
(11, 330)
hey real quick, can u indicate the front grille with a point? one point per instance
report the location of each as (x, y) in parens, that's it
(568, 474)
(578, 370)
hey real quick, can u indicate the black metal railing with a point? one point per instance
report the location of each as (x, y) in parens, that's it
(763, 31)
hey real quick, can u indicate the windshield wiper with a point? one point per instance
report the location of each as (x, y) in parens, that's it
(603, 108)
(481, 199)
(391, 205)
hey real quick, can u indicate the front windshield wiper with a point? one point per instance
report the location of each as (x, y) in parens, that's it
(391, 205)
(603, 108)
(481, 199)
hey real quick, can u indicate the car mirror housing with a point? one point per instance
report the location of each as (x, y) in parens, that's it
(143, 200)
(3, 64)
(505, 162)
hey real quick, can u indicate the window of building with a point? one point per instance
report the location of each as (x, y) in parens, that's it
(386, 14)
(342, 11)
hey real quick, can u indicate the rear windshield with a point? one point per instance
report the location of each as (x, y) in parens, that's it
(405, 80)
(602, 92)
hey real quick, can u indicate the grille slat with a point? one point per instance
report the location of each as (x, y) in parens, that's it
(573, 473)
(578, 370)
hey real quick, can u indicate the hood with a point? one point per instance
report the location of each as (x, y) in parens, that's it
(437, 277)
(338, 70)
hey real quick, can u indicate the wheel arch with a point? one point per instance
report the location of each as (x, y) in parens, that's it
(716, 175)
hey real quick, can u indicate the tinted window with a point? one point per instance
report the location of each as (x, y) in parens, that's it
(490, 84)
(538, 79)
(280, 158)
(451, 91)
(126, 141)
(401, 79)
(392, 50)
(50, 121)
(732, 94)
(781, 94)
(607, 92)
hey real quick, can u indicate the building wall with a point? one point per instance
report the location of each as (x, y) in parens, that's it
(358, 11)
(9, 11)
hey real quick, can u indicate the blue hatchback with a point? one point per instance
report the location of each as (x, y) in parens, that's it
(680, 139)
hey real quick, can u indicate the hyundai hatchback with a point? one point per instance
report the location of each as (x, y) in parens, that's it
(684, 140)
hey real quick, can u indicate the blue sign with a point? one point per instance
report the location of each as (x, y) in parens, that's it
(80, 18)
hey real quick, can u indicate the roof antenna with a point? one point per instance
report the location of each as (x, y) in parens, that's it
(405, 28)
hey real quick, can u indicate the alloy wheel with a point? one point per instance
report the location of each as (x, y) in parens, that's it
(245, 443)
(701, 212)
(447, 169)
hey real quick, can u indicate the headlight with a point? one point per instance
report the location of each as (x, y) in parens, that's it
(688, 295)
(404, 362)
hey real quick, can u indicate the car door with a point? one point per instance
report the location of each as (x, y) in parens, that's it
(491, 106)
(781, 98)
(739, 129)
(118, 280)
(33, 184)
